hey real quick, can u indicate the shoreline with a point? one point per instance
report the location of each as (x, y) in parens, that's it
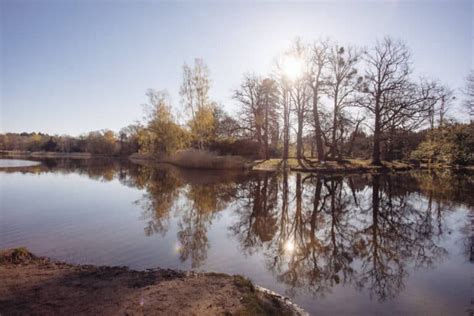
(309, 165)
(348, 166)
(39, 285)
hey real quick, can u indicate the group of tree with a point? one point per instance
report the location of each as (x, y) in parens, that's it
(322, 100)
(104, 142)
(343, 101)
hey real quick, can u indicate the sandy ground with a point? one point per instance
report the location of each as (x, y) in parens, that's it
(38, 286)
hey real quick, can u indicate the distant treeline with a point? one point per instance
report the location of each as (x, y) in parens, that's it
(321, 100)
(103, 142)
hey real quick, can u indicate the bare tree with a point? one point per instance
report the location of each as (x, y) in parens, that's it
(439, 100)
(187, 90)
(392, 98)
(469, 94)
(194, 93)
(258, 98)
(284, 86)
(286, 107)
(249, 95)
(318, 62)
(342, 84)
(299, 93)
(270, 116)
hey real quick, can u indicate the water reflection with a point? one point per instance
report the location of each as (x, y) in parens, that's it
(316, 232)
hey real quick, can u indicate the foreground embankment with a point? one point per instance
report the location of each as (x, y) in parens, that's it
(40, 286)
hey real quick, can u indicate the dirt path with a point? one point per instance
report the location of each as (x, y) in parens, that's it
(38, 286)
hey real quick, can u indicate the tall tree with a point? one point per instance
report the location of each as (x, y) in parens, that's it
(194, 93)
(318, 62)
(270, 116)
(469, 94)
(438, 102)
(286, 107)
(392, 98)
(299, 90)
(249, 95)
(342, 83)
(162, 136)
(258, 98)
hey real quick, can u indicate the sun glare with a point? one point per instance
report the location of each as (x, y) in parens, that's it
(293, 67)
(289, 246)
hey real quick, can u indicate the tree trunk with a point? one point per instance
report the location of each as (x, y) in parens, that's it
(354, 134)
(267, 155)
(286, 131)
(299, 138)
(334, 128)
(333, 139)
(317, 125)
(376, 148)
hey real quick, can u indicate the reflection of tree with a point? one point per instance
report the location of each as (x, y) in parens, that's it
(396, 234)
(203, 202)
(382, 268)
(320, 234)
(194, 203)
(446, 187)
(159, 199)
(256, 209)
(359, 230)
(315, 231)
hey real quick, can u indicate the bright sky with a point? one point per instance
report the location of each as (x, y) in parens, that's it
(76, 66)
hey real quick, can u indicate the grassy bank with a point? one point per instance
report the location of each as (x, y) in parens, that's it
(346, 166)
(37, 285)
(312, 165)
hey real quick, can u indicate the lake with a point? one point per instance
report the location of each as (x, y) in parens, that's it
(378, 244)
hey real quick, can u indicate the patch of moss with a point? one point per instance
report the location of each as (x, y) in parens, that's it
(217, 274)
(16, 255)
(243, 283)
(256, 303)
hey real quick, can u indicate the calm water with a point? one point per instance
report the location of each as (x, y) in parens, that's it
(10, 163)
(357, 245)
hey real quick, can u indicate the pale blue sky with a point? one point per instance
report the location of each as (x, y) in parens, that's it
(76, 66)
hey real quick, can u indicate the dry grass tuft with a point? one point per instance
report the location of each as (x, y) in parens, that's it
(201, 159)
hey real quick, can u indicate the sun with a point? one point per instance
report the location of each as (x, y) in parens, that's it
(292, 67)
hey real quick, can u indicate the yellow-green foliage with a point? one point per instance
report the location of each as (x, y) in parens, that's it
(162, 135)
(203, 125)
(453, 144)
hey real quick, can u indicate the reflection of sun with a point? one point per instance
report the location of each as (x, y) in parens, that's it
(293, 67)
(177, 247)
(289, 246)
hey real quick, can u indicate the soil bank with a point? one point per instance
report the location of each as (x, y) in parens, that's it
(39, 286)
